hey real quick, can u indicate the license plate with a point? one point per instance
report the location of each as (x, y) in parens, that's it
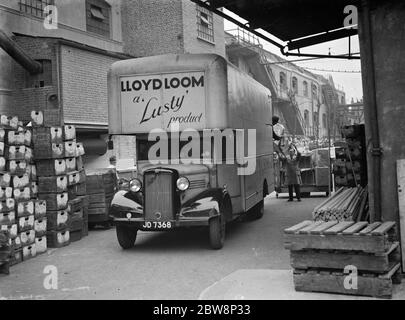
(162, 225)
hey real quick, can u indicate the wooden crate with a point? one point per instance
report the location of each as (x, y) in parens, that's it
(5, 179)
(76, 204)
(41, 244)
(55, 184)
(368, 284)
(43, 136)
(7, 218)
(29, 252)
(3, 164)
(69, 132)
(81, 189)
(26, 223)
(8, 122)
(7, 205)
(21, 181)
(40, 227)
(53, 151)
(374, 238)
(58, 239)
(25, 208)
(55, 201)
(80, 149)
(79, 163)
(16, 257)
(3, 135)
(70, 149)
(57, 220)
(39, 209)
(100, 200)
(11, 230)
(19, 138)
(22, 194)
(47, 118)
(48, 168)
(27, 237)
(76, 235)
(71, 164)
(17, 167)
(6, 193)
(76, 221)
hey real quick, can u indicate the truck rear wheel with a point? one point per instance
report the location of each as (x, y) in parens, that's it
(217, 230)
(126, 236)
(258, 210)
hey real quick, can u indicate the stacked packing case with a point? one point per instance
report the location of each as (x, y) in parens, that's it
(61, 177)
(22, 216)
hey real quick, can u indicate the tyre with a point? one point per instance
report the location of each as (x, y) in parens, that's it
(217, 230)
(126, 236)
(257, 211)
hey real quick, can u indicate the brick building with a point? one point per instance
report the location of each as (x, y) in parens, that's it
(75, 56)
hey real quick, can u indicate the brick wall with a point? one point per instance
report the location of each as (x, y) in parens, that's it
(27, 99)
(152, 27)
(84, 85)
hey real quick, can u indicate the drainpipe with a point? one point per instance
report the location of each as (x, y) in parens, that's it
(18, 54)
(366, 42)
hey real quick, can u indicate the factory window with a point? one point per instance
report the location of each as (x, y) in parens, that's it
(314, 91)
(205, 24)
(295, 85)
(283, 81)
(35, 7)
(324, 122)
(305, 86)
(42, 79)
(98, 17)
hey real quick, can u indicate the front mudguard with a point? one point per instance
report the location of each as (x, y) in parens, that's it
(127, 206)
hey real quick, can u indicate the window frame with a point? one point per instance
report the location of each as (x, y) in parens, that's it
(95, 25)
(205, 25)
(29, 6)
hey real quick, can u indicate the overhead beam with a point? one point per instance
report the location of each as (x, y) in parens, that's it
(320, 38)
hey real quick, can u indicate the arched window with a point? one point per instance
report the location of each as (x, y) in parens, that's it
(305, 86)
(283, 81)
(324, 121)
(295, 85)
(314, 91)
(316, 119)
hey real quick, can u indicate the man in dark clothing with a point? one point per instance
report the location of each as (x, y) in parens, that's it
(293, 173)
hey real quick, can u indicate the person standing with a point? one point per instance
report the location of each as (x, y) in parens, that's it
(293, 173)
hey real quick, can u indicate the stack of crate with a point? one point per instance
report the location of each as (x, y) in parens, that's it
(325, 254)
(101, 186)
(350, 168)
(5, 252)
(22, 215)
(49, 154)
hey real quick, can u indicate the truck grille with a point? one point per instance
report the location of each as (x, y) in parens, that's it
(159, 195)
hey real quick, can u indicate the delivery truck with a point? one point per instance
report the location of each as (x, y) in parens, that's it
(204, 149)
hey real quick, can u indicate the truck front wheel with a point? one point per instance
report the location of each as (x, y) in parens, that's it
(258, 210)
(217, 229)
(126, 236)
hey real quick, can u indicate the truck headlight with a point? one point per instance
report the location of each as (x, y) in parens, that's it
(135, 185)
(182, 183)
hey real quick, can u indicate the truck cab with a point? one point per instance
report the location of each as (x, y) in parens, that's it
(204, 150)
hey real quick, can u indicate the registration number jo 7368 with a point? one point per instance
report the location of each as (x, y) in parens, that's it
(157, 225)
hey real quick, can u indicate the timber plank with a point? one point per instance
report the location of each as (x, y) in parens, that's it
(298, 226)
(339, 227)
(375, 244)
(308, 228)
(334, 283)
(370, 228)
(322, 227)
(305, 259)
(383, 229)
(355, 228)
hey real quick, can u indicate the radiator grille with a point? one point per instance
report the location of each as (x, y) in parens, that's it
(195, 184)
(159, 196)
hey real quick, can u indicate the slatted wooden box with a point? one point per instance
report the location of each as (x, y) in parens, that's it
(8, 122)
(48, 168)
(27, 237)
(53, 151)
(16, 257)
(47, 118)
(5, 179)
(6, 193)
(40, 227)
(3, 164)
(19, 138)
(69, 132)
(55, 184)
(25, 208)
(57, 220)
(7, 205)
(320, 252)
(55, 201)
(22, 194)
(58, 239)
(40, 209)
(26, 223)
(44, 137)
(41, 244)
(29, 252)
(70, 149)
(71, 164)
(7, 218)
(22, 181)
(19, 153)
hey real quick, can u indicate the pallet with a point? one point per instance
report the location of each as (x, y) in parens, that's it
(323, 259)
(373, 238)
(379, 286)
